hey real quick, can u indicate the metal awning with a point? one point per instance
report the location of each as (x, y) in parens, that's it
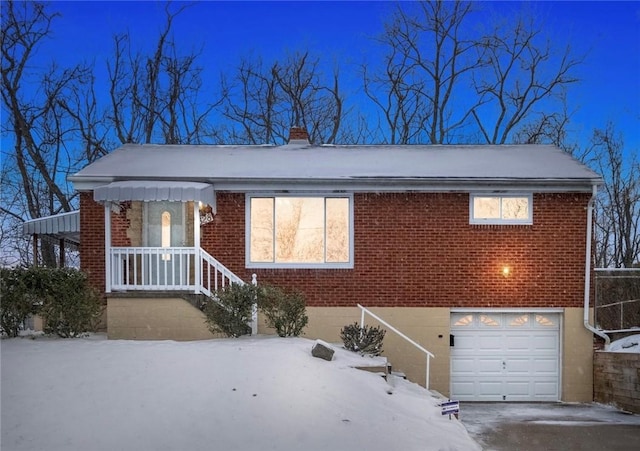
(64, 226)
(151, 190)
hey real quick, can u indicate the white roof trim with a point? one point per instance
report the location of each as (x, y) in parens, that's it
(155, 190)
(63, 226)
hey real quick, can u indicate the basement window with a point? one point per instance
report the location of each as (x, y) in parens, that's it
(500, 209)
(289, 231)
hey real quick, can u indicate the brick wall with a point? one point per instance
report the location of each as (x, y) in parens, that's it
(92, 234)
(92, 240)
(412, 249)
(616, 377)
(420, 250)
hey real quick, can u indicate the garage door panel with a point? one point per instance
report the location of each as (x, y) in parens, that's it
(463, 388)
(463, 366)
(517, 388)
(489, 342)
(545, 389)
(547, 342)
(489, 388)
(545, 366)
(465, 342)
(488, 366)
(517, 342)
(518, 366)
(515, 361)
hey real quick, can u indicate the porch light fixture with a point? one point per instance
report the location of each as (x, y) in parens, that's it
(506, 271)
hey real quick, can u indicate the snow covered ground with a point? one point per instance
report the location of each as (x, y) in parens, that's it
(626, 344)
(258, 393)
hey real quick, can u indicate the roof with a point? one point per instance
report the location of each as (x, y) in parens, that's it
(62, 226)
(348, 166)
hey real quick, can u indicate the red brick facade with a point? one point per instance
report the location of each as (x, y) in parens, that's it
(411, 249)
(92, 240)
(92, 234)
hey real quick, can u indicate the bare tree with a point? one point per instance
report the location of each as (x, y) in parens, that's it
(37, 124)
(155, 98)
(262, 103)
(420, 88)
(520, 73)
(442, 82)
(618, 204)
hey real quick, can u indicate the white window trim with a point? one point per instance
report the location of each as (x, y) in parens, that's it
(329, 265)
(494, 221)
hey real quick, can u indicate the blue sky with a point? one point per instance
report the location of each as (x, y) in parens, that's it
(339, 32)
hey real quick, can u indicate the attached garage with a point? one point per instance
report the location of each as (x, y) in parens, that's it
(505, 355)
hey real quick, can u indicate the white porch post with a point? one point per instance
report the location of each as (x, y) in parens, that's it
(107, 246)
(196, 243)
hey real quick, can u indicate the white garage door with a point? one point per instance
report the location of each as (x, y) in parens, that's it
(505, 356)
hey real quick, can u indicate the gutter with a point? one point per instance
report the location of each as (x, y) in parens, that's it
(587, 270)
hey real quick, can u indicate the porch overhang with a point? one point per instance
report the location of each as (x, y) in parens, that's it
(156, 190)
(63, 226)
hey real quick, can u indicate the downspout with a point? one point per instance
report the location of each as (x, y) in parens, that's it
(587, 270)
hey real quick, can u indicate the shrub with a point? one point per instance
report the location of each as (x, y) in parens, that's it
(71, 306)
(284, 310)
(63, 297)
(364, 340)
(15, 304)
(229, 310)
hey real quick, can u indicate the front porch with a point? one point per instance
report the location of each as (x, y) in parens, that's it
(166, 269)
(154, 264)
(152, 237)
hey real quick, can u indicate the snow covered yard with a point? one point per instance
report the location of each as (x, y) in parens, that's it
(258, 393)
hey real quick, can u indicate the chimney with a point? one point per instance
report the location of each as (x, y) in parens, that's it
(298, 135)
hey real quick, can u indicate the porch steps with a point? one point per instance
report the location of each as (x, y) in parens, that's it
(382, 370)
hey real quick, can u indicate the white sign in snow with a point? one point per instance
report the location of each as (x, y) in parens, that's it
(450, 407)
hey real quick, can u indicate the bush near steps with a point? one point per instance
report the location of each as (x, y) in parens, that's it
(229, 310)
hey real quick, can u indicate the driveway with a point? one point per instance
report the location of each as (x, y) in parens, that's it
(550, 426)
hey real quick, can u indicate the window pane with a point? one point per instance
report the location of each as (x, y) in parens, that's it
(261, 229)
(520, 320)
(165, 233)
(165, 239)
(515, 208)
(299, 229)
(542, 320)
(486, 207)
(462, 320)
(487, 320)
(337, 230)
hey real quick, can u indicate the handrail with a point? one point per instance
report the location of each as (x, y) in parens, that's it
(225, 272)
(418, 346)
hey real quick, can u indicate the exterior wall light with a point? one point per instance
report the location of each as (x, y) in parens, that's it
(506, 271)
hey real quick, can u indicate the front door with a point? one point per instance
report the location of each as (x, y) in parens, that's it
(165, 227)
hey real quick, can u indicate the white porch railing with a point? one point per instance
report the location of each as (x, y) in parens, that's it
(167, 268)
(152, 268)
(428, 354)
(215, 275)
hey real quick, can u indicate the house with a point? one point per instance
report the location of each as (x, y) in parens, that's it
(481, 254)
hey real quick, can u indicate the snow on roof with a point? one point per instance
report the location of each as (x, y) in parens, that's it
(300, 162)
